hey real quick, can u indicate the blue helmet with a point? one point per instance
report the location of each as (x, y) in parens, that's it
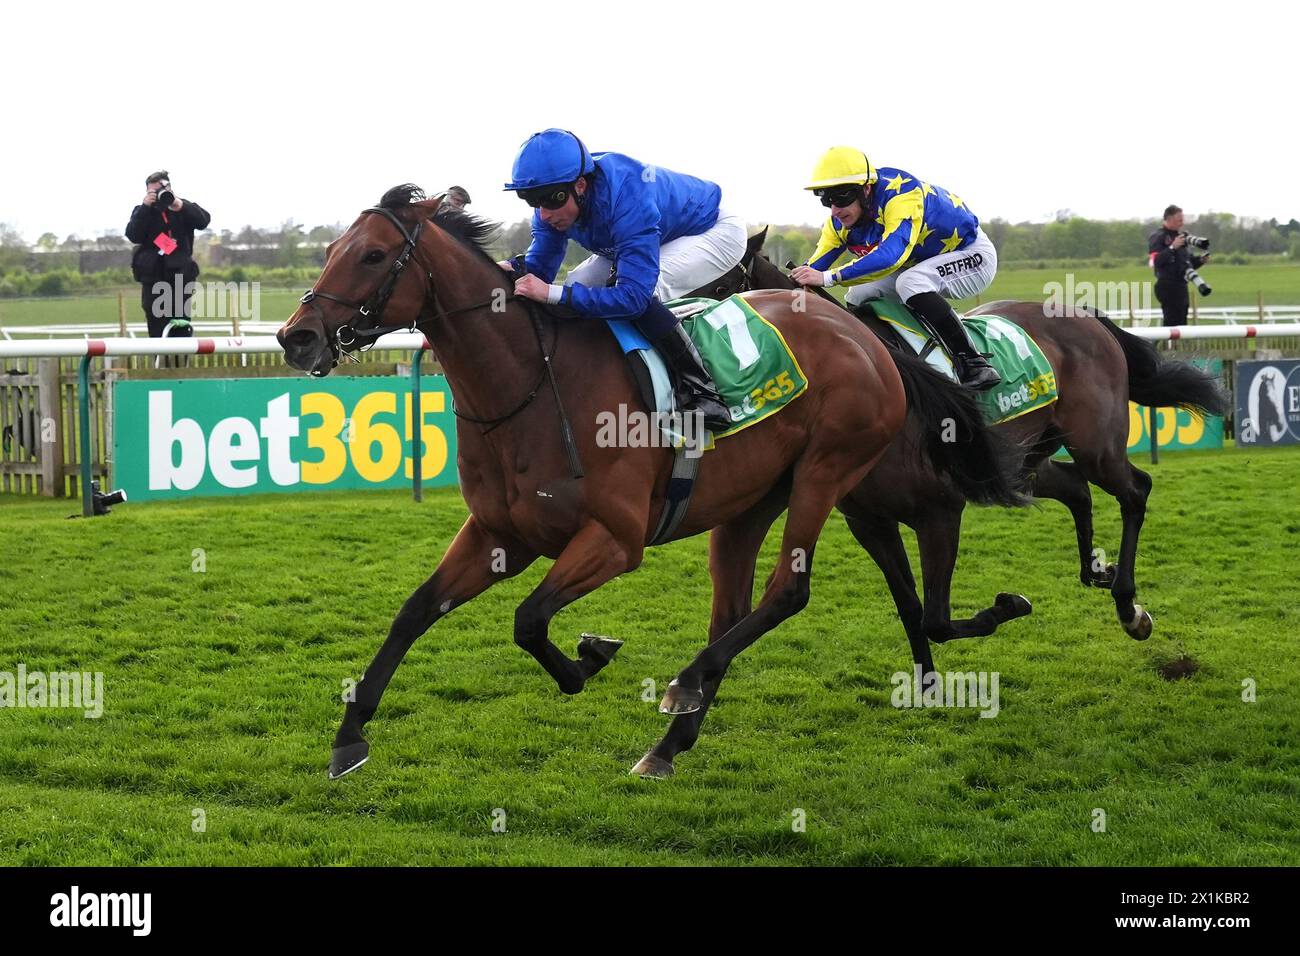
(550, 157)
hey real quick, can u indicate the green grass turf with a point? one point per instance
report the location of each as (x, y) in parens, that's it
(222, 695)
(1233, 285)
(1237, 285)
(275, 305)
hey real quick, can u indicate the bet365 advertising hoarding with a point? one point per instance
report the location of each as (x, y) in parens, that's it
(182, 438)
(1176, 429)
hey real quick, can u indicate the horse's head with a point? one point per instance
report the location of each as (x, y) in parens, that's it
(1266, 383)
(763, 272)
(754, 247)
(364, 289)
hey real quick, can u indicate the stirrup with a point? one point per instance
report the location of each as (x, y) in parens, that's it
(975, 372)
(717, 417)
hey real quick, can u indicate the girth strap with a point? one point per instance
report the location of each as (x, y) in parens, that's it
(677, 497)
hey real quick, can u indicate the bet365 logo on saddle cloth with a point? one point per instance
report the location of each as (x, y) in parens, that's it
(753, 367)
(1028, 380)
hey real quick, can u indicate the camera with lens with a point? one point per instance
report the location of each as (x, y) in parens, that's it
(165, 195)
(101, 503)
(1194, 277)
(1196, 242)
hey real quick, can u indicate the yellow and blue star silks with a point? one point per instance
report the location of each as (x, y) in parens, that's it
(907, 221)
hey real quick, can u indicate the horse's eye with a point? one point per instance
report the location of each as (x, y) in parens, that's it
(376, 255)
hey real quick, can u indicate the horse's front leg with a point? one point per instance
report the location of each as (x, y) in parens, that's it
(879, 537)
(593, 556)
(938, 539)
(733, 552)
(476, 560)
(1062, 481)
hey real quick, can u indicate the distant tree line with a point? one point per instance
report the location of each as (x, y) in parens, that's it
(53, 267)
(1075, 238)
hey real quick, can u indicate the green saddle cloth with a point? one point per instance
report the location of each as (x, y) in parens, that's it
(753, 367)
(1028, 379)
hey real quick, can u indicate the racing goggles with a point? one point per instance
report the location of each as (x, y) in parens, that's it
(840, 196)
(548, 197)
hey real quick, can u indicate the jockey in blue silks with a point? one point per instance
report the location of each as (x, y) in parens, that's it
(661, 232)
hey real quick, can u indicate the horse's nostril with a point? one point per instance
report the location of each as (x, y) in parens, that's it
(301, 338)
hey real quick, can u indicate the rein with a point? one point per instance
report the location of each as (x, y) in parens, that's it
(367, 324)
(370, 325)
(537, 386)
(548, 371)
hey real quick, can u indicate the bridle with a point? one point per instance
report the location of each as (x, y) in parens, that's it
(358, 334)
(367, 323)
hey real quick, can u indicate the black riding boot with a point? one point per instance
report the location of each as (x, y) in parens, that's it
(695, 389)
(973, 369)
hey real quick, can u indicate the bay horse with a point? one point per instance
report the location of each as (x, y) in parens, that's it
(536, 486)
(1099, 367)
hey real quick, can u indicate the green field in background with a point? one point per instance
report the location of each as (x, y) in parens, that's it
(276, 305)
(1279, 282)
(1233, 285)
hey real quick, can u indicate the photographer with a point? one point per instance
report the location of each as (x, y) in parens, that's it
(456, 197)
(1174, 265)
(163, 227)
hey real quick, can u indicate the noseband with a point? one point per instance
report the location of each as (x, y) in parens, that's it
(367, 324)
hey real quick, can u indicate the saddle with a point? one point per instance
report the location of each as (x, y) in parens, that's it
(923, 341)
(1028, 379)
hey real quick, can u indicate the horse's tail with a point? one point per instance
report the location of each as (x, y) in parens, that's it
(1160, 382)
(956, 441)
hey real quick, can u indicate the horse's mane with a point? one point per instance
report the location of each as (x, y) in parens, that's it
(476, 232)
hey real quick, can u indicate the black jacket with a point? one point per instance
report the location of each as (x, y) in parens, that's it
(148, 222)
(1170, 264)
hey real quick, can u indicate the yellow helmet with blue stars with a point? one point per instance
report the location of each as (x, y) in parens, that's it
(842, 166)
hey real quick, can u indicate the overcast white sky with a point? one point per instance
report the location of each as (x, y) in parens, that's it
(269, 111)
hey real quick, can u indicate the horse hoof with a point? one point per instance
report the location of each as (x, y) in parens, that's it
(1104, 579)
(598, 647)
(1017, 604)
(346, 759)
(651, 767)
(681, 700)
(1140, 627)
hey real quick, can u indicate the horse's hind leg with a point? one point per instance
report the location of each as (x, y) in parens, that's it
(880, 538)
(1131, 487)
(820, 480)
(733, 551)
(1062, 481)
(591, 558)
(465, 571)
(1133, 508)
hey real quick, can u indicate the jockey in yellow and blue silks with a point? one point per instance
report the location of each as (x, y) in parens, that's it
(912, 241)
(662, 233)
